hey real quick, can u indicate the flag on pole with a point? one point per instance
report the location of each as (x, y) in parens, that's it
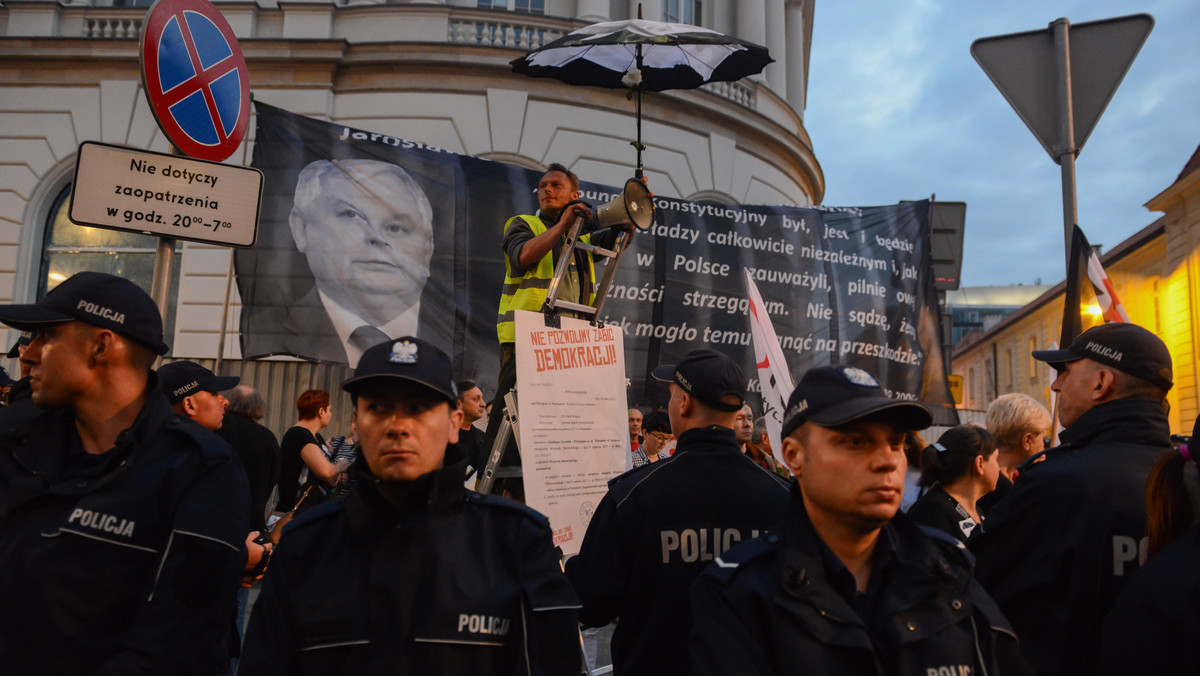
(775, 381)
(1086, 278)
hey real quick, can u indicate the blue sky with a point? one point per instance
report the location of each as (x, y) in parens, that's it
(898, 109)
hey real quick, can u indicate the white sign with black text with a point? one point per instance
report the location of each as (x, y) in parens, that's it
(121, 188)
(573, 428)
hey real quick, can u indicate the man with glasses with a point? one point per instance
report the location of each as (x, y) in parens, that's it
(656, 432)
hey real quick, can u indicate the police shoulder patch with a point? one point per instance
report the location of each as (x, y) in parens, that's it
(726, 566)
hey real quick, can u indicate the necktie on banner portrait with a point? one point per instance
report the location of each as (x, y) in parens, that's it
(842, 285)
(1087, 281)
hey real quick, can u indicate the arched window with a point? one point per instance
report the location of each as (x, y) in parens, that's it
(69, 248)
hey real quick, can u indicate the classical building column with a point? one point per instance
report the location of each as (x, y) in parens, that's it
(592, 10)
(752, 24)
(777, 44)
(796, 55)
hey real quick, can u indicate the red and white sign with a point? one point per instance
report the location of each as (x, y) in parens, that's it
(195, 78)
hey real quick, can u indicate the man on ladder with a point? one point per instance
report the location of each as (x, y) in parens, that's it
(531, 254)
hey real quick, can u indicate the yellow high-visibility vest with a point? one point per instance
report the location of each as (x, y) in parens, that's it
(529, 292)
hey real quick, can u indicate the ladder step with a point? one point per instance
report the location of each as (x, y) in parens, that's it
(575, 307)
(596, 250)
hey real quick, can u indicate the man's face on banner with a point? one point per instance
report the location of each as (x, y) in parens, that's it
(367, 231)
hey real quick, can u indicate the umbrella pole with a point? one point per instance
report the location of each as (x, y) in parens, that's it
(638, 172)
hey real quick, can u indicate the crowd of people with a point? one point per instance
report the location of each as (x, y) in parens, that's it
(150, 524)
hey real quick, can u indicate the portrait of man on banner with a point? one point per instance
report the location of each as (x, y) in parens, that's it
(347, 247)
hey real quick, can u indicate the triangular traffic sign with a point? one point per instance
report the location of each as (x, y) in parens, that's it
(1023, 68)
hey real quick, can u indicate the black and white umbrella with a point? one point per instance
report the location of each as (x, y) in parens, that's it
(644, 55)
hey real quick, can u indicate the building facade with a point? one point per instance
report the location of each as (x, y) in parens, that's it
(976, 309)
(1155, 272)
(437, 73)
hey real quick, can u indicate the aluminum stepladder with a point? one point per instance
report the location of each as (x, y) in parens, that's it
(633, 206)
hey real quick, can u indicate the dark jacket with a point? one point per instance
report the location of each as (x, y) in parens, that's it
(258, 452)
(1152, 628)
(938, 509)
(126, 562)
(1064, 543)
(440, 580)
(768, 607)
(657, 529)
(21, 390)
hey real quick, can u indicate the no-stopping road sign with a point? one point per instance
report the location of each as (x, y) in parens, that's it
(195, 78)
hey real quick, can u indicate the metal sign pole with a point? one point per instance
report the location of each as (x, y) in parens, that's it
(225, 314)
(1066, 118)
(164, 260)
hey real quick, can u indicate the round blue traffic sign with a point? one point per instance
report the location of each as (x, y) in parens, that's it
(195, 78)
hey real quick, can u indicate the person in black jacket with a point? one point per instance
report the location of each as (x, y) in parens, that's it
(1064, 543)
(1152, 627)
(255, 445)
(121, 524)
(659, 525)
(958, 469)
(411, 573)
(848, 585)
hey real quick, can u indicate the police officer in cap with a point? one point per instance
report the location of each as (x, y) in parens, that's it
(1064, 543)
(121, 523)
(412, 573)
(848, 585)
(20, 391)
(660, 524)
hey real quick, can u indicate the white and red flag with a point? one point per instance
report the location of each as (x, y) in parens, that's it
(775, 381)
(1085, 272)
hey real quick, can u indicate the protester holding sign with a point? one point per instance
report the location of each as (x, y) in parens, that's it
(412, 573)
(661, 524)
(531, 252)
(848, 585)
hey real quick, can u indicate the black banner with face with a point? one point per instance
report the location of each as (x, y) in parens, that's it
(360, 229)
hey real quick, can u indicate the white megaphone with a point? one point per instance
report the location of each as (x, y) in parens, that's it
(633, 206)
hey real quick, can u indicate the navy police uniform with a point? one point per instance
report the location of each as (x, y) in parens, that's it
(657, 529)
(1064, 544)
(126, 562)
(1152, 627)
(439, 580)
(785, 604)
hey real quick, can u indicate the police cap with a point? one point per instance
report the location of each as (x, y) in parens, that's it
(181, 379)
(405, 359)
(707, 375)
(835, 395)
(95, 298)
(1125, 347)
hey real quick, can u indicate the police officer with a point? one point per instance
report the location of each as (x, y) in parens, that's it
(1063, 544)
(412, 573)
(848, 585)
(661, 524)
(1151, 629)
(121, 524)
(20, 391)
(194, 392)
